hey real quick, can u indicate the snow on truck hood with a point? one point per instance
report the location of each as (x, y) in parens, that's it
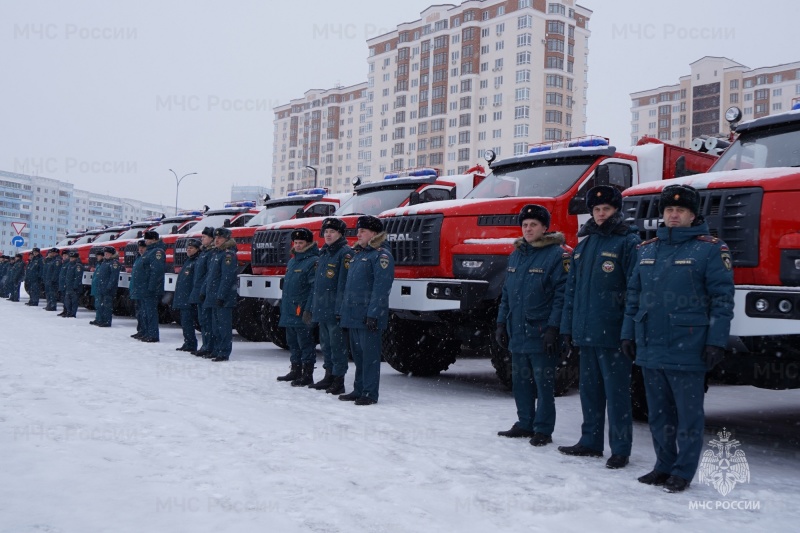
(777, 178)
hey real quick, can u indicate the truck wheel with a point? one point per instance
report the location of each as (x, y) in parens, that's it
(248, 320)
(638, 396)
(411, 348)
(263, 316)
(277, 334)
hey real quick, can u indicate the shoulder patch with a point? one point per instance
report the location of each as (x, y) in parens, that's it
(645, 243)
(726, 259)
(708, 238)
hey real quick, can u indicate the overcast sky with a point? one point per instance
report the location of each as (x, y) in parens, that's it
(110, 95)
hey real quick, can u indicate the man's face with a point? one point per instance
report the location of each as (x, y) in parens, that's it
(148, 242)
(364, 235)
(72, 259)
(678, 217)
(107, 256)
(532, 230)
(331, 235)
(142, 250)
(602, 212)
(191, 251)
(206, 240)
(219, 241)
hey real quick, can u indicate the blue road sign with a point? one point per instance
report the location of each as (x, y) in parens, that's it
(17, 241)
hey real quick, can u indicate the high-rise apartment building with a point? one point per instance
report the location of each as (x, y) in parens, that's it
(486, 74)
(50, 208)
(316, 139)
(696, 105)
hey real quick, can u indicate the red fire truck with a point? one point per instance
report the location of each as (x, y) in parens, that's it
(298, 204)
(450, 257)
(749, 198)
(272, 244)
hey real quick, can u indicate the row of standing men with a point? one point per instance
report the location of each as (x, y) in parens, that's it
(666, 303)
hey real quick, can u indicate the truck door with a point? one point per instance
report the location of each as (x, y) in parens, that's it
(619, 174)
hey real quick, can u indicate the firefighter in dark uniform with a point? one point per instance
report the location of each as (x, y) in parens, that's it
(331, 278)
(51, 275)
(134, 293)
(16, 273)
(183, 292)
(528, 322)
(594, 305)
(62, 281)
(197, 295)
(94, 292)
(365, 307)
(220, 294)
(677, 320)
(3, 275)
(73, 284)
(150, 283)
(298, 293)
(33, 277)
(107, 283)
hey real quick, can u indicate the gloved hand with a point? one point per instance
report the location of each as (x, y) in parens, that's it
(372, 323)
(713, 356)
(629, 348)
(501, 336)
(220, 302)
(550, 340)
(307, 318)
(566, 349)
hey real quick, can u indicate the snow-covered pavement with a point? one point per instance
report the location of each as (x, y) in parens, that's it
(99, 432)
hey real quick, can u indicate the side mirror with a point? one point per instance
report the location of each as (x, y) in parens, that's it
(174, 230)
(227, 223)
(299, 213)
(577, 206)
(602, 175)
(413, 198)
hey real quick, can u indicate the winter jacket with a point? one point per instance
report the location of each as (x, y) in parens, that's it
(369, 282)
(680, 298)
(533, 292)
(200, 273)
(298, 286)
(330, 280)
(107, 275)
(73, 279)
(185, 283)
(33, 272)
(149, 272)
(221, 279)
(52, 272)
(95, 280)
(594, 297)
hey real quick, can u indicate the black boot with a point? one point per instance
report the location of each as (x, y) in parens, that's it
(306, 376)
(293, 374)
(324, 383)
(336, 386)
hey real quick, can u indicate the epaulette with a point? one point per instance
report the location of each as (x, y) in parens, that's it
(708, 238)
(650, 241)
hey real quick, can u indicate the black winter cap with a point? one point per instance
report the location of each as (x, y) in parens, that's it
(225, 233)
(194, 243)
(302, 234)
(100, 251)
(335, 224)
(73, 253)
(53, 250)
(536, 212)
(370, 222)
(35, 249)
(141, 243)
(151, 235)
(208, 232)
(604, 194)
(110, 250)
(679, 196)
(65, 252)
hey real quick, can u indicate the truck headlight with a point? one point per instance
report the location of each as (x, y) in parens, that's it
(762, 305)
(785, 306)
(471, 264)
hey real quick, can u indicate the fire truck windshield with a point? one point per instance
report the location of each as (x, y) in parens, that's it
(212, 221)
(764, 148)
(545, 178)
(374, 201)
(275, 213)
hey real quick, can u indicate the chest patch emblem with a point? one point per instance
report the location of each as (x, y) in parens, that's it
(608, 266)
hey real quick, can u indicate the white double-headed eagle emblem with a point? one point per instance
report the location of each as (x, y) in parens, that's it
(726, 467)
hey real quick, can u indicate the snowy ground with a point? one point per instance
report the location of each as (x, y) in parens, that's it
(99, 432)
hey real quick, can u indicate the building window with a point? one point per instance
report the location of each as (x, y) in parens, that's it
(522, 111)
(524, 76)
(552, 134)
(524, 39)
(525, 21)
(524, 58)
(520, 148)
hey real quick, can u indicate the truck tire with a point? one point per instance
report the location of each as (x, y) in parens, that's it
(277, 334)
(638, 396)
(566, 376)
(248, 320)
(413, 348)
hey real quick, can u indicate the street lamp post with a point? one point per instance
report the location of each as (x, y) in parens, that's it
(309, 167)
(178, 186)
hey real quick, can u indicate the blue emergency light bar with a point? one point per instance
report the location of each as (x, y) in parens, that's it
(318, 190)
(796, 106)
(418, 173)
(596, 141)
(537, 149)
(195, 213)
(241, 203)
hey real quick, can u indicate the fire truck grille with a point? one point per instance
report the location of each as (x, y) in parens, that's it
(179, 255)
(733, 215)
(271, 248)
(131, 251)
(92, 262)
(414, 239)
